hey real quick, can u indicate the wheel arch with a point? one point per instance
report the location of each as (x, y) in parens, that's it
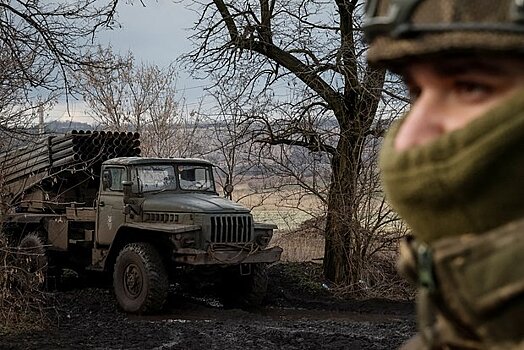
(126, 235)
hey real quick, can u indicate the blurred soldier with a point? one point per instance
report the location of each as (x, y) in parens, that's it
(453, 167)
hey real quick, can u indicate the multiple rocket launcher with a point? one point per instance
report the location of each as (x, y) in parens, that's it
(78, 151)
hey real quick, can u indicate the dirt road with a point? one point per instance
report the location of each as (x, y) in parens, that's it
(292, 318)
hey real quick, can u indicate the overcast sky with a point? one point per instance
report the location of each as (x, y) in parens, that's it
(156, 33)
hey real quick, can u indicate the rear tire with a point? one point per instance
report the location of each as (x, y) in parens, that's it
(140, 279)
(244, 291)
(32, 260)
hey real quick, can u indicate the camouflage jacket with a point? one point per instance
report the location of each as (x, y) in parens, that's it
(471, 290)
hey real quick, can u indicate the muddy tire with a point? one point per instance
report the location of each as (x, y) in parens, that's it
(140, 279)
(31, 259)
(244, 291)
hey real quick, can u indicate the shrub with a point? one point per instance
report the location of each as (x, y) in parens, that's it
(22, 300)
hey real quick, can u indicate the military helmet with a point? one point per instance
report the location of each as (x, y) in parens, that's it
(398, 29)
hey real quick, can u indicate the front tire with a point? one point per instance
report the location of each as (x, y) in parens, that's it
(140, 279)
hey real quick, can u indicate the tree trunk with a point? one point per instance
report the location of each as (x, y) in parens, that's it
(341, 263)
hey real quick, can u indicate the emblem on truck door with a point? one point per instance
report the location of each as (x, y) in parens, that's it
(109, 222)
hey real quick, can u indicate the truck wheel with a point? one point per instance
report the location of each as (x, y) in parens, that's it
(32, 260)
(140, 279)
(244, 291)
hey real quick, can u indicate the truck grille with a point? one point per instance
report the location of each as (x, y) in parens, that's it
(231, 229)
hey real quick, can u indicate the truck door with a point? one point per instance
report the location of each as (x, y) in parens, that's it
(110, 213)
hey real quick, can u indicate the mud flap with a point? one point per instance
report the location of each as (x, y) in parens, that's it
(245, 269)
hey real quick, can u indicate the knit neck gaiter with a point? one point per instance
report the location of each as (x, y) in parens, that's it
(467, 181)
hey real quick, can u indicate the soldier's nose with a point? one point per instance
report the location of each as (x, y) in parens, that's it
(423, 123)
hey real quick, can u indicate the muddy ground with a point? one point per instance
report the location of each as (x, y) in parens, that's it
(298, 314)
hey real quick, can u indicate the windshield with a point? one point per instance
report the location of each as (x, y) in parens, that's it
(195, 177)
(162, 177)
(158, 177)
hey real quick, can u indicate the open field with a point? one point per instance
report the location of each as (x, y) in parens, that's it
(285, 207)
(299, 248)
(289, 210)
(300, 243)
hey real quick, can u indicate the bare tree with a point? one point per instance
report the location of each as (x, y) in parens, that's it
(305, 78)
(123, 97)
(15, 94)
(173, 130)
(41, 44)
(143, 98)
(45, 40)
(104, 90)
(231, 140)
(314, 44)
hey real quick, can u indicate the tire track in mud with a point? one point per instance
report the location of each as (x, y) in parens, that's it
(201, 326)
(292, 319)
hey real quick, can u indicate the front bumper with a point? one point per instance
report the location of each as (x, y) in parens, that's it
(226, 257)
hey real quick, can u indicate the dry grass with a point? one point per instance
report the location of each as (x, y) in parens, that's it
(379, 277)
(287, 207)
(380, 280)
(22, 301)
(301, 235)
(300, 249)
(305, 243)
(294, 212)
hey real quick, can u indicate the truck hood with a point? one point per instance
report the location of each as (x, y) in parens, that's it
(191, 202)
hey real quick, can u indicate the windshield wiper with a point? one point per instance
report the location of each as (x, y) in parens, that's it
(161, 190)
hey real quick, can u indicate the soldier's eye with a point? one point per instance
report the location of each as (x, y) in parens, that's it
(472, 91)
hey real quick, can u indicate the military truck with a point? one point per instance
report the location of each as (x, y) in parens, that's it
(92, 203)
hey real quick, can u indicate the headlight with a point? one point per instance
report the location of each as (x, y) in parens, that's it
(263, 237)
(183, 240)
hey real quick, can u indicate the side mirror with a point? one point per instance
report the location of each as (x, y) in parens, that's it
(228, 188)
(128, 192)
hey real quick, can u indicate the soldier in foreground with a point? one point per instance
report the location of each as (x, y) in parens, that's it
(453, 167)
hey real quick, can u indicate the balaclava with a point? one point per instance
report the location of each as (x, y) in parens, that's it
(467, 181)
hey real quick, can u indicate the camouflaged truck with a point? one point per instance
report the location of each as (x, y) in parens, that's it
(145, 221)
